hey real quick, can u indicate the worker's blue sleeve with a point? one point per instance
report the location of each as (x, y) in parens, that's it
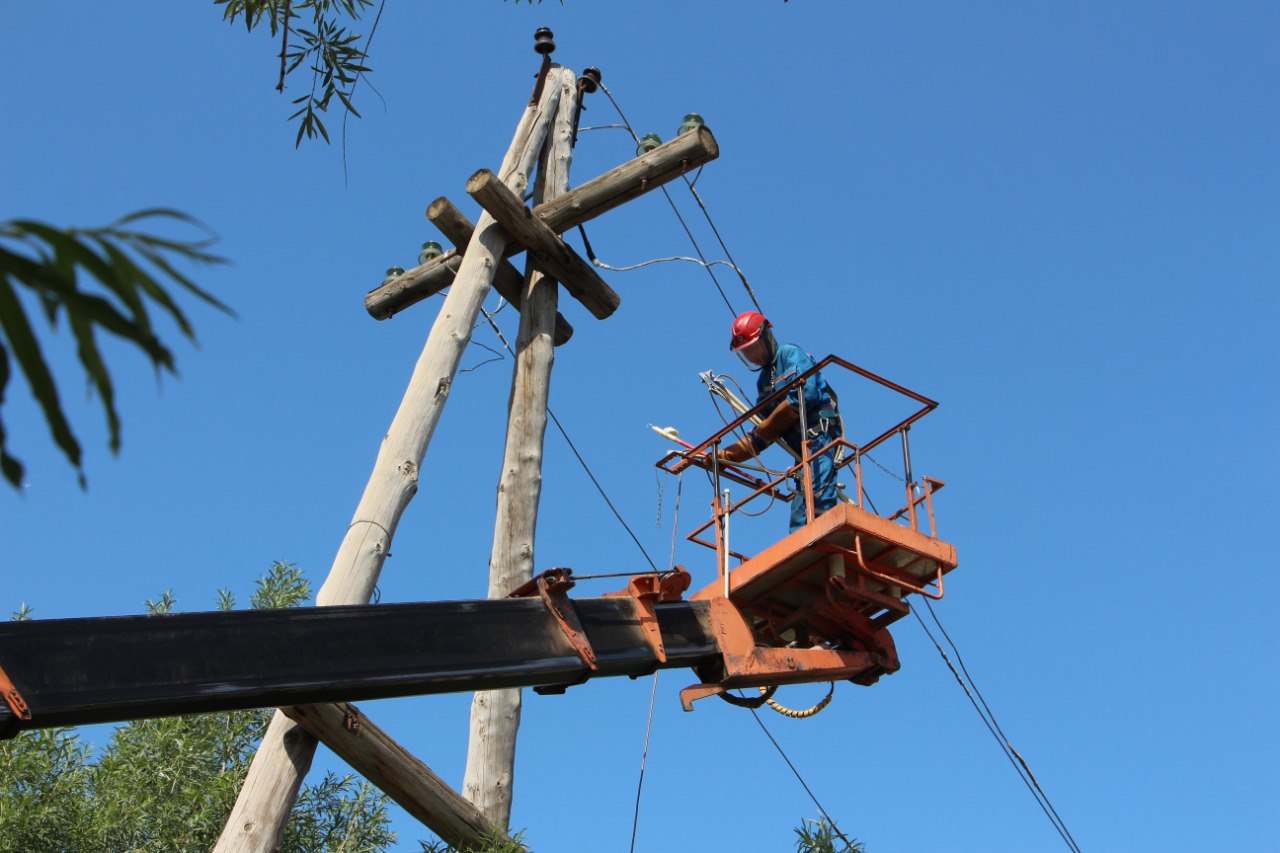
(793, 361)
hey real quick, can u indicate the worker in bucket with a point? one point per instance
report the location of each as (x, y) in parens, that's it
(753, 341)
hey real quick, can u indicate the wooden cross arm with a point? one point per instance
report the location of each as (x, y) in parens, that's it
(507, 280)
(546, 250)
(631, 180)
(413, 286)
(616, 186)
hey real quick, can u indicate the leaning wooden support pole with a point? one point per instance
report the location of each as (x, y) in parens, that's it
(547, 251)
(396, 772)
(582, 204)
(258, 819)
(495, 714)
(508, 281)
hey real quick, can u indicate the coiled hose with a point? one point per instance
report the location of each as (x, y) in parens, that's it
(801, 714)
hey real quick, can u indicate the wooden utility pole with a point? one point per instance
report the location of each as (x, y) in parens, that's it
(258, 819)
(495, 714)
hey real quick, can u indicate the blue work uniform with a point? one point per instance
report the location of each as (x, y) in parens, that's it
(823, 421)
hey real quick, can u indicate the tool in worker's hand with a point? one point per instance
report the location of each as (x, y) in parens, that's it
(673, 434)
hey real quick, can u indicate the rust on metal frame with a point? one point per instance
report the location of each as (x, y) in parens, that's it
(649, 590)
(840, 516)
(13, 698)
(553, 586)
(748, 665)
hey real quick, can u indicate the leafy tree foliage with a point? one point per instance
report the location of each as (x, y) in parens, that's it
(169, 784)
(819, 836)
(103, 280)
(313, 38)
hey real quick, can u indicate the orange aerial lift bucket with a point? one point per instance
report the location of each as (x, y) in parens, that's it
(817, 605)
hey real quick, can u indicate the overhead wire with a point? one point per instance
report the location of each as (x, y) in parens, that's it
(648, 726)
(991, 714)
(583, 462)
(800, 779)
(1004, 748)
(693, 240)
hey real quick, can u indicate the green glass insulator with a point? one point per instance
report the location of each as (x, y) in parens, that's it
(430, 249)
(692, 121)
(392, 275)
(650, 142)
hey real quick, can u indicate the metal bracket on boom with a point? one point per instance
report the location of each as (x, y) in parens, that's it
(553, 586)
(649, 590)
(17, 705)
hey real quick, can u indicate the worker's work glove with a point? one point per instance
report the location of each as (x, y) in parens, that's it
(739, 451)
(779, 421)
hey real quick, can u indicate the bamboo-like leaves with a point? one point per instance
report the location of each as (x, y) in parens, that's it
(320, 46)
(135, 271)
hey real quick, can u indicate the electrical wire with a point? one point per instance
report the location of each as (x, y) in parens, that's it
(1061, 830)
(603, 265)
(648, 726)
(696, 248)
(714, 230)
(799, 778)
(574, 448)
(996, 723)
(644, 757)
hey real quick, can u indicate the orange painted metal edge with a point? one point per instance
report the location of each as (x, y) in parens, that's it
(13, 698)
(841, 515)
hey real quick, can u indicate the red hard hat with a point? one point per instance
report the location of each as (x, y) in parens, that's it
(747, 328)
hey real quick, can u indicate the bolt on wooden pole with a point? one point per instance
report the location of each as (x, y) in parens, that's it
(258, 819)
(495, 714)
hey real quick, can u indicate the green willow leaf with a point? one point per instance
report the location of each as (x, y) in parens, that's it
(96, 369)
(10, 467)
(26, 351)
(132, 267)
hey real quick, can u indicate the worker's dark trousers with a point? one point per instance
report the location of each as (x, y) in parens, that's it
(825, 495)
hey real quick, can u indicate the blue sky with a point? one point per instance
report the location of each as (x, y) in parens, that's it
(1059, 220)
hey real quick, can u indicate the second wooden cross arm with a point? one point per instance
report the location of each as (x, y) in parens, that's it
(546, 250)
(507, 280)
(582, 204)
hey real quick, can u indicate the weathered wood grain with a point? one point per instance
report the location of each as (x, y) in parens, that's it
(547, 251)
(508, 281)
(495, 715)
(258, 818)
(395, 771)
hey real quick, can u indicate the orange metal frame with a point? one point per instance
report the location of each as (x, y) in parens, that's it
(816, 606)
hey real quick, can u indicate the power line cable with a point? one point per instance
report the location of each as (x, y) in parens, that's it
(995, 722)
(1066, 838)
(644, 757)
(714, 230)
(648, 726)
(574, 448)
(800, 778)
(696, 248)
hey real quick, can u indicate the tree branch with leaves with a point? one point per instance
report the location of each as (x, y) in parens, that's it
(133, 273)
